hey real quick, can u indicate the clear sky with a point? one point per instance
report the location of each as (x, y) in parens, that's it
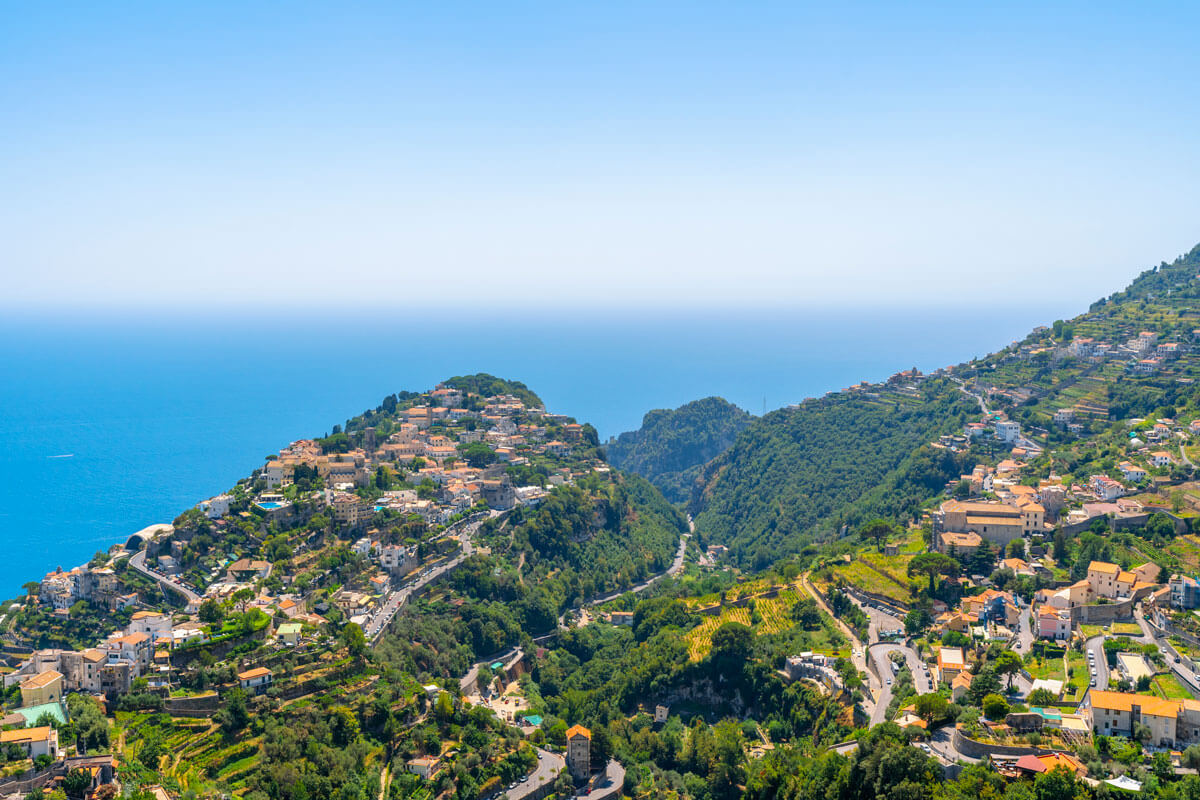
(724, 154)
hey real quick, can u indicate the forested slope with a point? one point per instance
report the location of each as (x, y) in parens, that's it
(801, 473)
(672, 446)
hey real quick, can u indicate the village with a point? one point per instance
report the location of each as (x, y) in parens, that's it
(403, 507)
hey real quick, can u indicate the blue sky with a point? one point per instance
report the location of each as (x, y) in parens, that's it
(606, 155)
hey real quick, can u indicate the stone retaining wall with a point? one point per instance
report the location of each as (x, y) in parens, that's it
(975, 749)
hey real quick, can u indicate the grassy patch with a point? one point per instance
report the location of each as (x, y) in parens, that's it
(1168, 686)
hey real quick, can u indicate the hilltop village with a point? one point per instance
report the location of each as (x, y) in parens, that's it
(980, 581)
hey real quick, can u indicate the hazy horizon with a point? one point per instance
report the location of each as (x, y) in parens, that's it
(222, 156)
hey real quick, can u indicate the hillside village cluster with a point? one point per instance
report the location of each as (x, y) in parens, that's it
(404, 500)
(426, 448)
(999, 507)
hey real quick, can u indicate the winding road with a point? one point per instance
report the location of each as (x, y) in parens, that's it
(387, 612)
(138, 562)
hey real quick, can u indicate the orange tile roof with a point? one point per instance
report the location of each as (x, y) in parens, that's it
(578, 730)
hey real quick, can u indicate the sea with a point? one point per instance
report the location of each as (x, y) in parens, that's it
(112, 422)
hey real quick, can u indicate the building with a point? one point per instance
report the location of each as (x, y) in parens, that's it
(1053, 623)
(1185, 592)
(1106, 488)
(661, 713)
(963, 544)
(33, 742)
(1132, 472)
(247, 569)
(1109, 580)
(151, 623)
(255, 681)
(579, 752)
(289, 632)
(997, 523)
(951, 662)
(45, 687)
(1116, 714)
(425, 767)
(1008, 431)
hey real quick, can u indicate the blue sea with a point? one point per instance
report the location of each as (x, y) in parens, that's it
(110, 423)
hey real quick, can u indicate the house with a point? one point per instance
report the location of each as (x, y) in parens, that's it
(660, 713)
(951, 662)
(1018, 565)
(1109, 580)
(1132, 472)
(288, 607)
(963, 544)
(45, 687)
(960, 685)
(1160, 458)
(1053, 623)
(246, 569)
(255, 680)
(579, 752)
(1106, 488)
(152, 623)
(425, 766)
(621, 618)
(1115, 714)
(289, 632)
(33, 742)
(1146, 573)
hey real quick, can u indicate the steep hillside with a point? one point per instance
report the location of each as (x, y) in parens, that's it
(801, 473)
(672, 445)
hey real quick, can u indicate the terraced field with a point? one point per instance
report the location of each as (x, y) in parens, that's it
(856, 573)
(775, 616)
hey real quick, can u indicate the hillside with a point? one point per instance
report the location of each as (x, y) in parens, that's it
(801, 473)
(671, 446)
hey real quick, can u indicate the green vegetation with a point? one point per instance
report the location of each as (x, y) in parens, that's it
(671, 447)
(799, 474)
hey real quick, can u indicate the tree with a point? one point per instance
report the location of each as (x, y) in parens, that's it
(1057, 784)
(354, 639)
(1041, 697)
(77, 782)
(877, 529)
(210, 611)
(933, 565)
(1164, 575)
(234, 716)
(1016, 548)
(732, 643)
(1008, 663)
(806, 613)
(243, 596)
(931, 707)
(916, 620)
(995, 707)
(1060, 546)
